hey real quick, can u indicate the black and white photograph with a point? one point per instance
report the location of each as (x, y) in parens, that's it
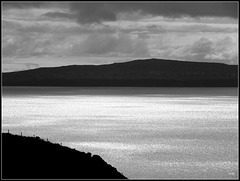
(120, 90)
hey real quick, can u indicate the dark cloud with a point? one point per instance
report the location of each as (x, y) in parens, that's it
(97, 12)
(91, 12)
(94, 12)
(59, 15)
(22, 5)
(33, 4)
(194, 9)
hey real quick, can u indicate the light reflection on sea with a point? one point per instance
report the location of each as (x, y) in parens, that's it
(143, 132)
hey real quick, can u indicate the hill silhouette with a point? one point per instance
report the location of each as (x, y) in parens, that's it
(150, 72)
(33, 158)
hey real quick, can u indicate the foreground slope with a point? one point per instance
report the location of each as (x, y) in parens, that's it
(34, 158)
(150, 72)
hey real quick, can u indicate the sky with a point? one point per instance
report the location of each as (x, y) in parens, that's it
(49, 34)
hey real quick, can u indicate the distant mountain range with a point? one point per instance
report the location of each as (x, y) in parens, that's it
(143, 73)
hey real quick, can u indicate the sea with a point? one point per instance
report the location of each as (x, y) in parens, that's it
(145, 133)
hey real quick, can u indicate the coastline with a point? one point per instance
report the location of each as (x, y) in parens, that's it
(32, 157)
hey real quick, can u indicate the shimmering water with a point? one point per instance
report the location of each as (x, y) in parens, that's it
(143, 132)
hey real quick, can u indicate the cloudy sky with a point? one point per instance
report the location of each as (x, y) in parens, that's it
(43, 34)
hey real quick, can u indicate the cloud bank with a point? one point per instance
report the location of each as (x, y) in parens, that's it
(89, 12)
(60, 33)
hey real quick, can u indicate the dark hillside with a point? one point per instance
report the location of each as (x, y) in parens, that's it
(33, 158)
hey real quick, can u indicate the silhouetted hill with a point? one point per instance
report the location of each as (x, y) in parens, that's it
(33, 158)
(151, 72)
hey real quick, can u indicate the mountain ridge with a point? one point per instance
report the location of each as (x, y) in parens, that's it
(145, 72)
